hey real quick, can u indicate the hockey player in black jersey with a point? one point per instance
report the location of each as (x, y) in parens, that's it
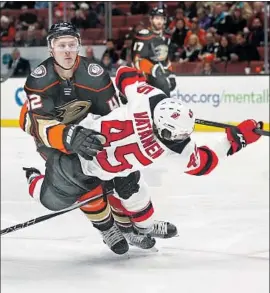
(61, 91)
(150, 53)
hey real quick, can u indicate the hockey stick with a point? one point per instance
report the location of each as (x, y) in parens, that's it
(48, 216)
(224, 125)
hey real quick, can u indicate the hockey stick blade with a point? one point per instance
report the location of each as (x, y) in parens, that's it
(224, 125)
(48, 216)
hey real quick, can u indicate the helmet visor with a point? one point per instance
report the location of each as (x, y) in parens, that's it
(65, 43)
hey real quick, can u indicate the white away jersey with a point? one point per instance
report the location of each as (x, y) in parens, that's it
(131, 144)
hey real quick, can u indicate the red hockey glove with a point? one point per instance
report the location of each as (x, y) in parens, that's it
(242, 135)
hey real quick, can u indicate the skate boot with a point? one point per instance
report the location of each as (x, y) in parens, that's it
(139, 240)
(163, 230)
(115, 240)
(31, 173)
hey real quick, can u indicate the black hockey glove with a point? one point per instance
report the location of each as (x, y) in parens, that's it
(126, 186)
(85, 142)
(172, 81)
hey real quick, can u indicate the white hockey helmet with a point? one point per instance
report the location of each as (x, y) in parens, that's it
(173, 120)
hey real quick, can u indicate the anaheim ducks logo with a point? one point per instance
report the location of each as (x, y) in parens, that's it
(73, 111)
(161, 53)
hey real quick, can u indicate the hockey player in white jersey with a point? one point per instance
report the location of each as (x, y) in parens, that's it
(150, 129)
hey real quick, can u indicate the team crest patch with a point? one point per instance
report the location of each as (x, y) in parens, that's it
(39, 72)
(95, 69)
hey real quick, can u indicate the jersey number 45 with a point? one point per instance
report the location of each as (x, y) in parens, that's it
(122, 130)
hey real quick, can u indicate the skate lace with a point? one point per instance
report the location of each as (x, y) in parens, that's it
(160, 228)
(134, 238)
(112, 236)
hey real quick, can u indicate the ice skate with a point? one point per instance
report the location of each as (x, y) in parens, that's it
(163, 230)
(115, 240)
(140, 240)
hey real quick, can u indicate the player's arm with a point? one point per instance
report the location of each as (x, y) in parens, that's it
(126, 80)
(37, 119)
(204, 160)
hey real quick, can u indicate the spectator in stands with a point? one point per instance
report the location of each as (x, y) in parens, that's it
(180, 33)
(244, 51)
(139, 7)
(31, 38)
(18, 4)
(99, 8)
(58, 15)
(21, 66)
(116, 11)
(210, 47)
(111, 52)
(106, 61)
(191, 51)
(246, 10)
(177, 40)
(221, 21)
(85, 18)
(238, 22)
(8, 30)
(89, 53)
(27, 18)
(18, 39)
(256, 34)
(203, 19)
(189, 8)
(125, 55)
(208, 67)
(179, 14)
(258, 12)
(224, 50)
(43, 37)
(195, 30)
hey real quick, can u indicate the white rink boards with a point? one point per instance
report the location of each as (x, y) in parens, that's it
(223, 222)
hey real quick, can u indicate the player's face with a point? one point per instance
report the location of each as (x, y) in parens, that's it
(65, 51)
(158, 22)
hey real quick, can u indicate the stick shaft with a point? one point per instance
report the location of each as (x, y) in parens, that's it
(48, 216)
(224, 125)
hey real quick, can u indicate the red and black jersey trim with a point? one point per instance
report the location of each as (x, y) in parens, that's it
(210, 161)
(127, 76)
(143, 215)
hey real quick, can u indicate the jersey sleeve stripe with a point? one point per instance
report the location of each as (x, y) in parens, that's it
(23, 113)
(144, 38)
(208, 159)
(125, 79)
(55, 137)
(126, 76)
(42, 90)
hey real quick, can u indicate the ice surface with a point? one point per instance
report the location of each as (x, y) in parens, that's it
(223, 243)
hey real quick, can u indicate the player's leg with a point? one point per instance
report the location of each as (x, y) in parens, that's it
(64, 184)
(136, 203)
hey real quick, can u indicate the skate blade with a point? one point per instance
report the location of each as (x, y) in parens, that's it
(153, 249)
(125, 256)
